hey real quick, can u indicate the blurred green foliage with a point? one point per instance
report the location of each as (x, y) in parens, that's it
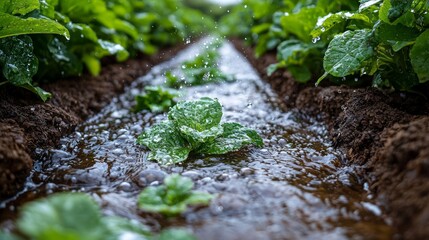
(53, 38)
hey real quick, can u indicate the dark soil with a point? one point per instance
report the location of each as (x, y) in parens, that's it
(385, 133)
(26, 123)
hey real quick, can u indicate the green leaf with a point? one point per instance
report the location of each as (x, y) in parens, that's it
(419, 56)
(12, 26)
(197, 121)
(173, 197)
(398, 8)
(349, 52)
(156, 99)
(166, 144)
(204, 69)
(234, 137)
(293, 51)
(398, 36)
(19, 63)
(92, 64)
(301, 73)
(63, 216)
(194, 125)
(329, 21)
(388, 12)
(55, 59)
(367, 4)
(19, 7)
(273, 68)
(301, 23)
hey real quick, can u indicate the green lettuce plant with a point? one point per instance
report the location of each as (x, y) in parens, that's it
(156, 99)
(203, 69)
(194, 126)
(391, 46)
(76, 216)
(173, 197)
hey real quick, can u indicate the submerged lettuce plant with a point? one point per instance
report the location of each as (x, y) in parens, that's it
(194, 126)
(76, 216)
(156, 99)
(173, 197)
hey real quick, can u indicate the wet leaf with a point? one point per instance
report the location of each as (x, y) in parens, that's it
(12, 26)
(166, 144)
(193, 126)
(348, 53)
(156, 99)
(398, 8)
(19, 7)
(74, 216)
(203, 69)
(234, 137)
(19, 63)
(293, 51)
(173, 197)
(419, 56)
(398, 36)
(301, 23)
(329, 21)
(63, 216)
(197, 121)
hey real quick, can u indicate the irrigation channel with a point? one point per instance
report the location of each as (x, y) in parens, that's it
(295, 187)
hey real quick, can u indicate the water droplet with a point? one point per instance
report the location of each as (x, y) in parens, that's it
(316, 39)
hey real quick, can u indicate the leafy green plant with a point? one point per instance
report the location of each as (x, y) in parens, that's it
(194, 126)
(41, 40)
(382, 40)
(173, 197)
(203, 69)
(391, 46)
(76, 216)
(156, 99)
(285, 26)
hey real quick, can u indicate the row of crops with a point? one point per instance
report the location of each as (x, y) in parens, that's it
(384, 43)
(41, 40)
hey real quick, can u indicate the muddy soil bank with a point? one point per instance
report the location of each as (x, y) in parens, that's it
(27, 123)
(386, 134)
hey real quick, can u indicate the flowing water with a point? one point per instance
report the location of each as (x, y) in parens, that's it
(295, 187)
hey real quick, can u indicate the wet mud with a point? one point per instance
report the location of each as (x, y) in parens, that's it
(298, 186)
(384, 134)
